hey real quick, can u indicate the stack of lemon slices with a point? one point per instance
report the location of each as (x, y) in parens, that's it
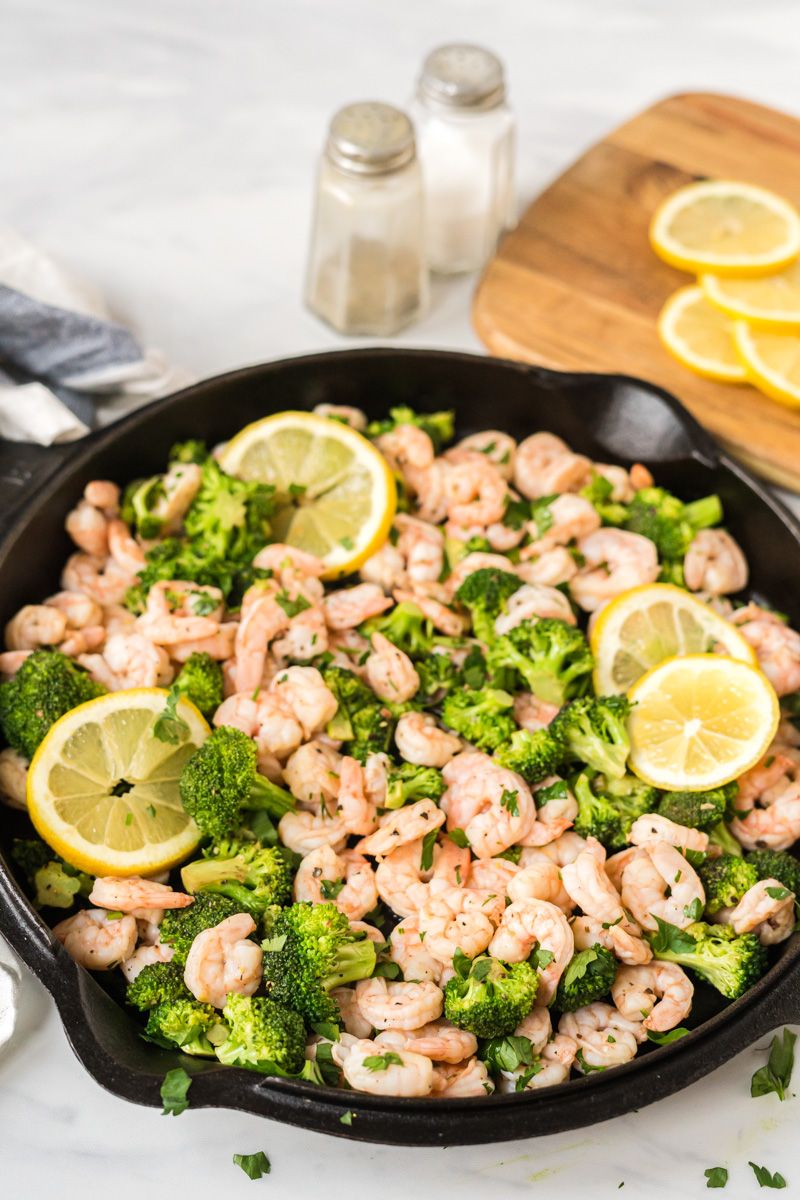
(740, 322)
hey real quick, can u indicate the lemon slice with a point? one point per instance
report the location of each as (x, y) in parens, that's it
(700, 336)
(771, 360)
(771, 303)
(727, 228)
(336, 494)
(700, 721)
(644, 626)
(103, 790)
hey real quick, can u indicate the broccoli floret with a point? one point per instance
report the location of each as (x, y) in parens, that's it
(157, 983)
(177, 558)
(725, 880)
(220, 784)
(439, 426)
(487, 997)
(191, 451)
(631, 797)
(55, 882)
(255, 877)
(730, 963)
(533, 755)
(408, 783)
(721, 836)
(312, 949)
(777, 864)
(200, 680)
(483, 717)
(361, 719)
(47, 685)
(195, 1028)
(598, 492)
(406, 627)
(552, 658)
(485, 593)
(437, 675)
(698, 810)
(263, 1035)
(664, 519)
(181, 926)
(597, 816)
(139, 501)
(589, 976)
(230, 517)
(594, 731)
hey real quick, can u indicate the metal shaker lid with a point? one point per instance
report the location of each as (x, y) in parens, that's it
(370, 138)
(463, 76)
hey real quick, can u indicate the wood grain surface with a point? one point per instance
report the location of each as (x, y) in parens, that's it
(577, 286)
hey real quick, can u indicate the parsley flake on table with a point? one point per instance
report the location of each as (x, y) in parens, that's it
(174, 1090)
(253, 1165)
(777, 1074)
(716, 1177)
(766, 1178)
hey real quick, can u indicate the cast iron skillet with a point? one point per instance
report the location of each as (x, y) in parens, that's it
(611, 418)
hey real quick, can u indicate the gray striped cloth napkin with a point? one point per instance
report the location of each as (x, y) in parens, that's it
(65, 365)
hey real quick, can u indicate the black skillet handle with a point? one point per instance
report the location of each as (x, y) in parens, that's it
(24, 468)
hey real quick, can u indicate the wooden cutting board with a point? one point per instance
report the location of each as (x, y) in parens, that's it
(577, 286)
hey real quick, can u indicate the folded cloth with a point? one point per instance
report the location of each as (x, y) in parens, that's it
(65, 365)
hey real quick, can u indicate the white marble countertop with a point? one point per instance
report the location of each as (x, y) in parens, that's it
(166, 150)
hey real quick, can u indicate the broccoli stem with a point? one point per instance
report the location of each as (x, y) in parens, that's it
(270, 798)
(701, 514)
(354, 960)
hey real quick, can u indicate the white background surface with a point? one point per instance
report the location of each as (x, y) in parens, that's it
(166, 149)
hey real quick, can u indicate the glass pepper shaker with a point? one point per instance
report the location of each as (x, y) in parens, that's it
(465, 141)
(367, 272)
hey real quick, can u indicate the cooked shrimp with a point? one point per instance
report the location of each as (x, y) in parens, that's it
(88, 528)
(455, 919)
(376, 778)
(102, 494)
(770, 917)
(492, 875)
(80, 611)
(604, 1037)
(145, 956)
(396, 828)
(262, 620)
(353, 806)
(35, 625)
(769, 771)
(555, 814)
(280, 558)
(11, 661)
(136, 662)
(101, 578)
(624, 945)
(661, 883)
(357, 894)
(493, 805)
(406, 446)
(592, 891)
(312, 775)
(531, 601)
(219, 646)
(351, 1017)
(391, 1005)
(390, 672)
(777, 646)
(172, 612)
(438, 1040)
(97, 940)
(421, 546)
(458, 1081)
(563, 850)
(420, 740)
(223, 959)
(532, 713)
(654, 828)
(133, 894)
(350, 606)
(570, 517)
(551, 1067)
(306, 637)
(408, 950)
(14, 779)
(776, 827)
(540, 881)
(615, 561)
(179, 486)
(477, 492)
(123, 547)
(402, 884)
(411, 1076)
(551, 568)
(545, 465)
(430, 485)
(305, 831)
(479, 560)
(386, 568)
(303, 691)
(498, 449)
(353, 417)
(660, 992)
(714, 563)
(83, 641)
(528, 923)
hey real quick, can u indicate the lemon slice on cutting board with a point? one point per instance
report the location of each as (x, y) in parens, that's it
(727, 228)
(771, 303)
(336, 493)
(699, 722)
(646, 625)
(771, 360)
(103, 789)
(700, 336)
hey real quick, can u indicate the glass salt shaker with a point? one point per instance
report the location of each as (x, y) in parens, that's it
(465, 141)
(367, 272)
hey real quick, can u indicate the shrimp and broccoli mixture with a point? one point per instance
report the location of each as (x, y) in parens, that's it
(425, 867)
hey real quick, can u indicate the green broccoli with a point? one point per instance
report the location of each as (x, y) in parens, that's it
(220, 785)
(191, 451)
(777, 864)
(437, 675)
(594, 731)
(200, 680)
(56, 883)
(408, 783)
(193, 1027)
(181, 926)
(139, 501)
(178, 558)
(598, 492)
(439, 426)
(361, 720)
(588, 977)
(311, 950)
(229, 517)
(485, 593)
(698, 810)
(725, 880)
(597, 815)
(406, 627)
(664, 519)
(631, 798)
(263, 1035)
(551, 657)
(533, 755)
(47, 685)
(721, 836)
(255, 877)
(483, 717)
(730, 963)
(156, 984)
(487, 997)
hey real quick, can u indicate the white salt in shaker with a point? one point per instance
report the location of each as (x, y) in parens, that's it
(465, 141)
(367, 272)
